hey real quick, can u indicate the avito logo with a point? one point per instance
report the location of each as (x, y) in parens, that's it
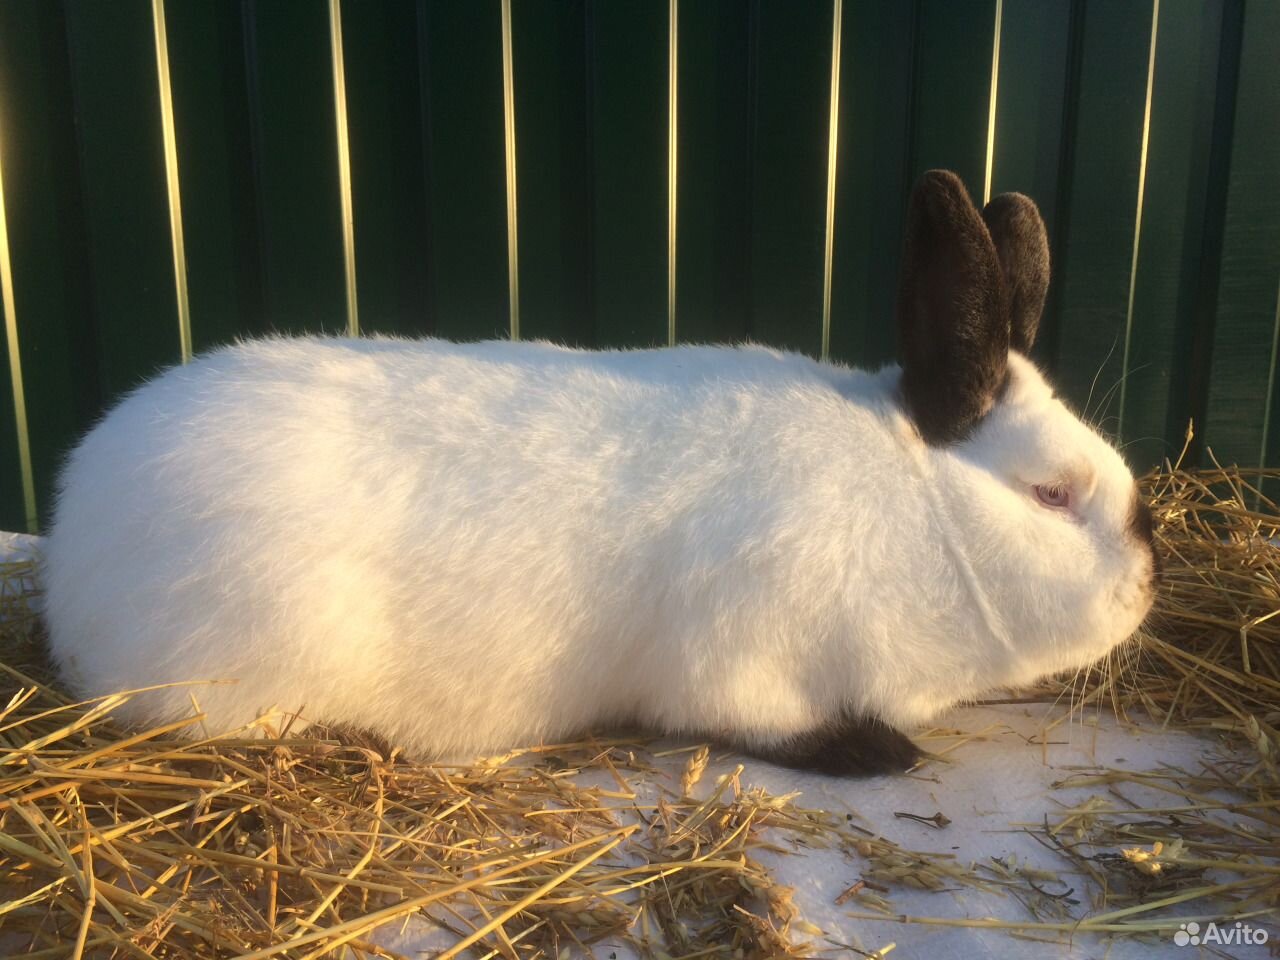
(1191, 934)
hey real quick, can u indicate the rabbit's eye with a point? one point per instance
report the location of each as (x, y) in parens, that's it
(1052, 495)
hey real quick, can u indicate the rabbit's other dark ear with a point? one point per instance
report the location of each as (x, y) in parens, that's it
(953, 321)
(1022, 244)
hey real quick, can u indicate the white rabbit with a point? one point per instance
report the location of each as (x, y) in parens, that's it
(470, 547)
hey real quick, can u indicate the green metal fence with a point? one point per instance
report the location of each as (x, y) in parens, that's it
(628, 172)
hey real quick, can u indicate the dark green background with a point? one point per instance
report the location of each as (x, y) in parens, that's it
(84, 185)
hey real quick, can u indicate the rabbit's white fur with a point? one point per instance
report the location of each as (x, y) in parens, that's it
(470, 547)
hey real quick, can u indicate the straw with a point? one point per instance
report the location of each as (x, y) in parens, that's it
(122, 842)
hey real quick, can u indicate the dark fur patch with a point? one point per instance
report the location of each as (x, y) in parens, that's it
(953, 324)
(1142, 529)
(1022, 244)
(850, 745)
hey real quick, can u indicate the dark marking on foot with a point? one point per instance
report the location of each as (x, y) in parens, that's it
(850, 745)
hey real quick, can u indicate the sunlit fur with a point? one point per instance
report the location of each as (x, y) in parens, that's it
(470, 547)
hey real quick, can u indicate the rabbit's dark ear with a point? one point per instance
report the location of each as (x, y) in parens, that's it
(953, 322)
(1023, 248)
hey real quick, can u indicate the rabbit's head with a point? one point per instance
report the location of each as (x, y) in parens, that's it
(1044, 518)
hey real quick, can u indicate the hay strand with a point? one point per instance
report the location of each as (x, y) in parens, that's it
(130, 843)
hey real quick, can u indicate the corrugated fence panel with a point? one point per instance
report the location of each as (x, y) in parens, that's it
(791, 50)
(130, 262)
(871, 178)
(1031, 104)
(952, 97)
(461, 50)
(628, 68)
(714, 168)
(388, 165)
(13, 512)
(12, 507)
(1150, 416)
(210, 87)
(47, 250)
(292, 120)
(550, 79)
(1241, 422)
(1096, 216)
(514, 165)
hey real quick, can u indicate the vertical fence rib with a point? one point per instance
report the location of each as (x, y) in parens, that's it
(15, 372)
(509, 138)
(1271, 386)
(344, 165)
(991, 108)
(170, 138)
(833, 130)
(1137, 223)
(673, 106)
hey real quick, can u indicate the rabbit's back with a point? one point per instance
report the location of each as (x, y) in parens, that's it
(453, 544)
